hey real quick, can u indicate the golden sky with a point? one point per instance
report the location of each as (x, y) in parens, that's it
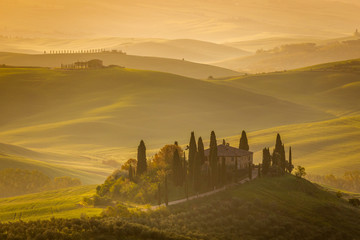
(214, 20)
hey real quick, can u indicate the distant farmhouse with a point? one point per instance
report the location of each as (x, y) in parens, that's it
(231, 154)
(92, 64)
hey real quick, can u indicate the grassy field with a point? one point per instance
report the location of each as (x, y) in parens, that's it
(62, 203)
(321, 147)
(104, 113)
(266, 208)
(331, 87)
(53, 170)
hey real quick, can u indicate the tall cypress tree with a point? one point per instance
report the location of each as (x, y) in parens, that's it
(213, 159)
(177, 169)
(201, 151)
(244, 145)
(290, 166)
(141, 159)
(279, 158)
(192, 152)
(266, 161)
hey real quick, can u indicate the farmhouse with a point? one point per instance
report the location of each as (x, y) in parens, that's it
(231, 154)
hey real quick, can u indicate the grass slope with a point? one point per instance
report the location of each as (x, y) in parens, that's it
(294, 56)
(185, 68)
(321, 147)
(52, 170)
(266, 208)
(331, 87)
(62, 203)
(104, 113)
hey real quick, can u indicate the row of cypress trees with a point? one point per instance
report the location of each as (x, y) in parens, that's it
(189, 173)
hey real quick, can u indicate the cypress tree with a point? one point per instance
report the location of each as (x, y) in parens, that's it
(177, 169)
(266, 161)
(192, 152)
(244, 145)
(141, 159)
(279, 158)
(290, 166)
(213, 159)
(201, 151)
(166, 200)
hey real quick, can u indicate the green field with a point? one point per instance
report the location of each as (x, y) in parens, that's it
(62, 203)
(321, 147)
(103, 114)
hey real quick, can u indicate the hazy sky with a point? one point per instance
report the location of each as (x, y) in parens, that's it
(214, 20)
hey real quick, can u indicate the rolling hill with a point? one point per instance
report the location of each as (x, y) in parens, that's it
(179, 67)
(331, 87)
(292, 56)
(104, 113)
(327, 147)
(62, 203)
(266, 208)
(323, 147)
(189, 49)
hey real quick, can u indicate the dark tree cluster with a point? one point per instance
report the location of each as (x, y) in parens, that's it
(276, 163)
(169, 174)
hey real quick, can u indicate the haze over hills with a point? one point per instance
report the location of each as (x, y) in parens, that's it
(293, 56)
(180, 67)
(104, 113)
(188, 49)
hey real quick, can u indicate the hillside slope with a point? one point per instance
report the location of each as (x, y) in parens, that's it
(179, 67)
(327, 147)
(266, 208)
(331, 87)
(294, 56)
(189, 49)
(104, 113)
(62, 203)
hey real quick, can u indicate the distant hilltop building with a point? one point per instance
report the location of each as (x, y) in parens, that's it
(231, 155)
(92, 64)
(356, 33)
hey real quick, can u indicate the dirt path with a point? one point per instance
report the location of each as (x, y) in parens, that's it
(254, 174)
